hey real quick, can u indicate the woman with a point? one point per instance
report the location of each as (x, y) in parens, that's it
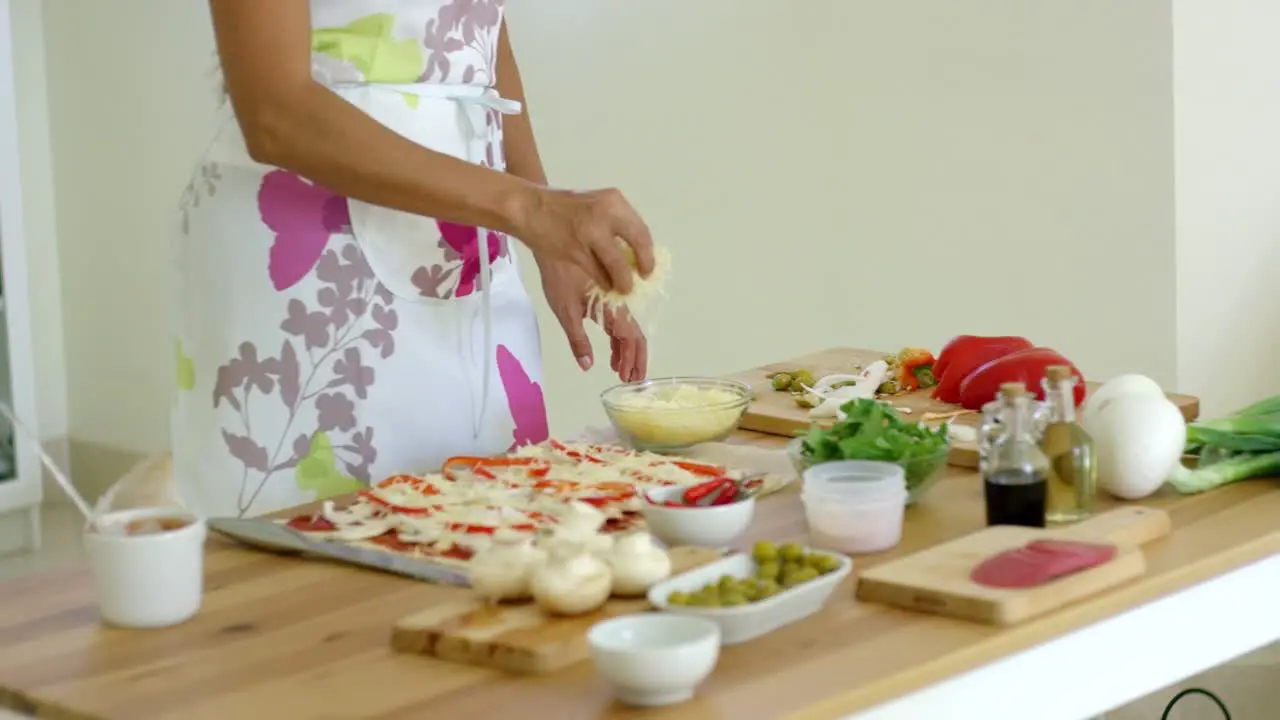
(339, 318)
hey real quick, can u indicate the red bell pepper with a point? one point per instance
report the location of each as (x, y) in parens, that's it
(953, 346)
(1026, 366)
(971, 357)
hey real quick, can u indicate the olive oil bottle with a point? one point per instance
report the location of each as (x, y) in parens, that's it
(1073, 470)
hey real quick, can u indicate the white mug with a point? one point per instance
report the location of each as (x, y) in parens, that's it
(147, 579)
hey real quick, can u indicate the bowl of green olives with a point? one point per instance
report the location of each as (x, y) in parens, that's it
(750, 594)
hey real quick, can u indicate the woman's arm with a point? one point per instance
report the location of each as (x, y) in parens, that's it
(292, 122)
(519, 146)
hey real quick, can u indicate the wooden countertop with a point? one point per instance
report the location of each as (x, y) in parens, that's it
(292, 639)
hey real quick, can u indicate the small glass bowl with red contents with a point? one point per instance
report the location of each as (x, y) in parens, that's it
(674, 521)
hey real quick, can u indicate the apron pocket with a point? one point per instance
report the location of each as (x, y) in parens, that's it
(416, 257)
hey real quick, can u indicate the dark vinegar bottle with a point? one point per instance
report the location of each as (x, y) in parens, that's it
(1015, 485)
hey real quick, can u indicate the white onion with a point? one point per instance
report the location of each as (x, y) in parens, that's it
(1120, 386)
(1138, 440)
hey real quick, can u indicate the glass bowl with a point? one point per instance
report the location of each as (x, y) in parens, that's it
(922, 472)
(648, 414)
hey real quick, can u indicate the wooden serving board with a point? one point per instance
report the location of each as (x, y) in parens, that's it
(937, 580)
(518, 638)
(775, 413)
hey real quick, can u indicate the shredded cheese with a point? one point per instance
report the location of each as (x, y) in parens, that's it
(644, 291)
(677, 415)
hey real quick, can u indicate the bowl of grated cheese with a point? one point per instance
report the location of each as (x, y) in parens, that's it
(675, 413)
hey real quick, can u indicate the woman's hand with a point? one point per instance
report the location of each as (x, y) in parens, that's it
(565, 286)
(583, 229)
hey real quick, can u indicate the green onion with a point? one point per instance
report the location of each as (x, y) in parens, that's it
(1224, 472)
(1240, 446)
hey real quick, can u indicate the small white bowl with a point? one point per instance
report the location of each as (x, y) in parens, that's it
(654, 659)
(712, 526)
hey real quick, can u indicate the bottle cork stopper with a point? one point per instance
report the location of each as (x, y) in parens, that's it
(1013, 389)
(1057, 373)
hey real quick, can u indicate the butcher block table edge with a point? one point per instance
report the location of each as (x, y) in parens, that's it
(1127, 656)
(1134, 597)
(909, 692)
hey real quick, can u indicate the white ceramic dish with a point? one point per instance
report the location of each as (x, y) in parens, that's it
(651, 659)
(149, 580)
(714, 526)
(746, 622)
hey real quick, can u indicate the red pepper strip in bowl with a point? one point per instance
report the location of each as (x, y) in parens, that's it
(697, 492)
(728, 492)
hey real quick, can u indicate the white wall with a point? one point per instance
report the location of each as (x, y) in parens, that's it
(1227, 96)
(130, 111)
(38, 214)
(832, 172)
(872, 173)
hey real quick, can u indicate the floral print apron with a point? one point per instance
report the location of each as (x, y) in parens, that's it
(324, 343)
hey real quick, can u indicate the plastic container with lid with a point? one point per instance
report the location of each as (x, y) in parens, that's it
(855, 506)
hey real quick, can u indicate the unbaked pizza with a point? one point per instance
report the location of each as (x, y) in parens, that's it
(447, 517)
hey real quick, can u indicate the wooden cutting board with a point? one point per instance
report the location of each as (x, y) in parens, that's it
(519, 638)
(775, 413)
(937, 580)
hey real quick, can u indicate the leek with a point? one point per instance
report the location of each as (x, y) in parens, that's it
(1224, 472)
(1240, 446)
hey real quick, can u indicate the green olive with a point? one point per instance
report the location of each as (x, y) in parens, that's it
(781, 381)
(733, 599)
(823, 563)
(800, 378)
(764, 551)
(791, 552)
(768, 571)
(766, 589)
(803, 575)
(678, 598)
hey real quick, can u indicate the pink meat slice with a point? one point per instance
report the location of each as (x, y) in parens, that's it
(1095, 553)
(1038, 562)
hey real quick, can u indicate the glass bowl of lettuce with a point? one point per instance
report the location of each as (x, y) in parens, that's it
(872, 430)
